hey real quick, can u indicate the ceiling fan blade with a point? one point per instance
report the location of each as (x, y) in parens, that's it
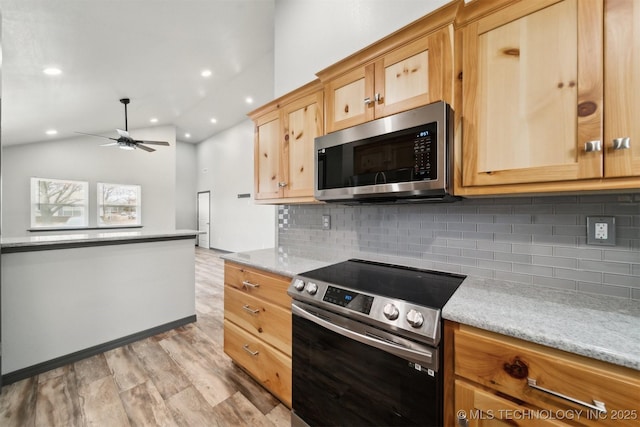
(153, 142)
(93, 134)
(149, 149)
(109, 144)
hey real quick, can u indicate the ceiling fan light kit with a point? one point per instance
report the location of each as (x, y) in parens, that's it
(124, 140)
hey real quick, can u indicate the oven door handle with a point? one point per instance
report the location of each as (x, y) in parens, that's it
(425, 358)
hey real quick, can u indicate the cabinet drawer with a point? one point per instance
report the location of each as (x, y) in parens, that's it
(265, 320)
(261, 284)
(505, 364)
(267, 365)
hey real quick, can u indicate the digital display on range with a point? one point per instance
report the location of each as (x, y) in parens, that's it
(348, 299)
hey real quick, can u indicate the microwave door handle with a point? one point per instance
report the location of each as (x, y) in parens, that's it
(424, 357)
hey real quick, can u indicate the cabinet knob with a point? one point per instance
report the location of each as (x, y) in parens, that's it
(591, 146)
(622, 143)
(367, 101)
(378, 98)
(282, 184)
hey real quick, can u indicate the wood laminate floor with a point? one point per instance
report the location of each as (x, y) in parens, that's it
(178, 378)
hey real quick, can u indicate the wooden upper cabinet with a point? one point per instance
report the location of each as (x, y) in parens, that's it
(622, 88)
(267, 156)
(285, 130)
(532, 93)
(410, 68)
(303, 122)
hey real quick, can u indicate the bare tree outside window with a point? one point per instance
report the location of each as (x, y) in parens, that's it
(58, 203)
(119, 205)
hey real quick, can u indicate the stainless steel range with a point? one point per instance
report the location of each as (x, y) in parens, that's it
(367, 345)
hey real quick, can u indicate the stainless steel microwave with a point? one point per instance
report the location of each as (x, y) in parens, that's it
(400, 158)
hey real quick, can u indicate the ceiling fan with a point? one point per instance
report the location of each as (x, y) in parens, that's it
(125, 141)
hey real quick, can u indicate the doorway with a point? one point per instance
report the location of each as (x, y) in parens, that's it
(203, 218)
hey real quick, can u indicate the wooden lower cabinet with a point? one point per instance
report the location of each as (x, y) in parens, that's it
(257, 326)
(266, 364)
(501, 380)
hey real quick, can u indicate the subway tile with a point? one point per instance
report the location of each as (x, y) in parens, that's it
(621, 256)
(568, 219)
(513, 219)
(494, 265)
(534, 270)
(494, 246)
(494, 228)
(614, 291)
(554, 261)
(478, 219)
(477, 272)
(635, 294)
(473, 235)
(578, 275)
(461, 260)
(544, 239)
(554, 282)
(510, 257)
(512, 238)
(446, 234)
(631, 281)
(605, 266)
(447, 218)
(578, 253)
(538, 229)
(461, 243)
(446, 251)
(473, 253)
(533, 209)
(461, 226)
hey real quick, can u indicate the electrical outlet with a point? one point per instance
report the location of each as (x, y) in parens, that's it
(601, 230)
(326, 222)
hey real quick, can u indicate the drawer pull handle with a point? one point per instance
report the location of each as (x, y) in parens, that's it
(597, 405)
(248, 284)
(518, 369)
(248, 350)
(253, 311)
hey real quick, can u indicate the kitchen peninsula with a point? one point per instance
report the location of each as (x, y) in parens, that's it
(66, 297)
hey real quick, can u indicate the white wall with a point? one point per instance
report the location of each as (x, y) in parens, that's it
(186, 186)
(225, 167)
(310, 35)
(82, 158)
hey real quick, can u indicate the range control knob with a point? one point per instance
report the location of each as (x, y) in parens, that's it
(298, 284)
(415, 318)
(390, 311)
(312, 288)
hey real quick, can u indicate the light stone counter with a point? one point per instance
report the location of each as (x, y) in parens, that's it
(77, 238)
(278, 262)
(596, 326)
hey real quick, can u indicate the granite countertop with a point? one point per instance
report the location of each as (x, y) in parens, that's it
(277, 262)
(596, 326)
(88, 238)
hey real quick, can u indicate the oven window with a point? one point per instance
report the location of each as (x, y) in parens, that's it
(339, 381)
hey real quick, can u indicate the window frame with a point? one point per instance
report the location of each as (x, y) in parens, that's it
(118, 207)
(35, 204)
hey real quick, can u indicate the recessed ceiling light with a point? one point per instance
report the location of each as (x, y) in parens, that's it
(214, 120)
(249, 100)
(187, 135)
(51, 132)
(154, 120)
(52, 71)
(206, 73)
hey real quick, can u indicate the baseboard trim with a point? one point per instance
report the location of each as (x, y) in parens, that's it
(39, 368)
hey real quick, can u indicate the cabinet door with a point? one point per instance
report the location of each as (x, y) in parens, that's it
(480, 408)
(409, 77)
(622, 88)
(303, 122)
(267, 157)
(346, 99)
(532, 93)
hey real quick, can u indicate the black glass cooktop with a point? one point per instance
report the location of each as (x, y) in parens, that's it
(424, 287)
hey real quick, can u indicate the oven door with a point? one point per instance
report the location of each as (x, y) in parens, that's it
(346, 373)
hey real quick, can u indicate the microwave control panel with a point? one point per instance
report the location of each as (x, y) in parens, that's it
(424, 149)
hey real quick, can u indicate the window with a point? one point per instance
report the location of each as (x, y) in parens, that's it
(118, 205)
(57, 203)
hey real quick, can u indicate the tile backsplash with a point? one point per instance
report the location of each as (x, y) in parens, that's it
(533, 240)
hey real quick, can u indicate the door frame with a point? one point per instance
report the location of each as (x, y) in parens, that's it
(208, 192)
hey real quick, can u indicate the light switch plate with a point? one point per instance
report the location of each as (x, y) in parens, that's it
(601, 230)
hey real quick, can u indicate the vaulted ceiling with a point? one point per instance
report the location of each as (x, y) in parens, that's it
(151, 51)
